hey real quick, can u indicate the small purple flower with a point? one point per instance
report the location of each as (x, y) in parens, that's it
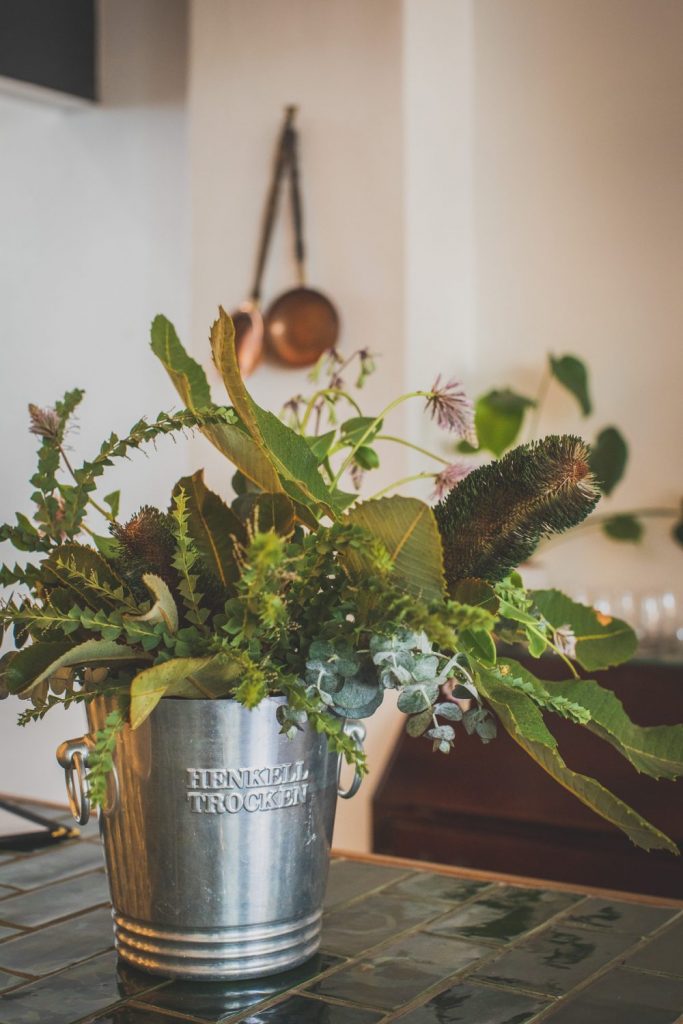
(357, 474)
(452, 409)
(564, 639)
(449, 476)
(45, 422)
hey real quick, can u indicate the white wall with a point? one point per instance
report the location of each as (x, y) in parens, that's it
(95, 241)
(341, 62)
(578, 170)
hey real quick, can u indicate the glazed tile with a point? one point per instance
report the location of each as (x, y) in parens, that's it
(354, 929)
(556, 960)
(401, 971)
(624, 997)
(620, 916)
(214, 1000)
(504, 913)
(474, 1004)
(300, 1010)
(428, 886)
(347, 880)
(73, 994)
(664, 953)
(134, 1013)
(71, 858)
(38, 906)
(10, 980)
(59, 945)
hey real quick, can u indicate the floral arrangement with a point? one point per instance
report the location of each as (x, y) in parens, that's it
(299, 588)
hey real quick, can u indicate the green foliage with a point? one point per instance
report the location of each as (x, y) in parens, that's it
(608, 458)
(600, 640)
(187, 375)
(496, 516)
(407, 529)
(184, 562)
(624, 527)
(571, 372)
(523, 720)
(213, 526)
(101, 757)
(288, 593)
(498, 419)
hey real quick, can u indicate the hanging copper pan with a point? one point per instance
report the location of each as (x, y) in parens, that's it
(302, 323)
(247, 318)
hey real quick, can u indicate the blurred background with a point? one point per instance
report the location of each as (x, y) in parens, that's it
(486, 182)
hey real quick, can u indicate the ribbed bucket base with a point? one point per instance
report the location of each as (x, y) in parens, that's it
(248, 951)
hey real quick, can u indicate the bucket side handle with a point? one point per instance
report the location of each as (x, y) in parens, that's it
(356, 730)
(73, 757)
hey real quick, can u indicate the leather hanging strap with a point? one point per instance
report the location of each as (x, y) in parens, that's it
(282, 159)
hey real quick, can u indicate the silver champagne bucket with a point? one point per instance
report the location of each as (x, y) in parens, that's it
(217, 834)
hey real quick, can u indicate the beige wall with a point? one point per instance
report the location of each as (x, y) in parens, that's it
(341, 62)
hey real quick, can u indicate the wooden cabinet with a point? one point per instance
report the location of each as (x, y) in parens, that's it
(491, 807)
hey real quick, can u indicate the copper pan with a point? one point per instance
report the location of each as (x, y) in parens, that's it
(247, 318)
(302, 323)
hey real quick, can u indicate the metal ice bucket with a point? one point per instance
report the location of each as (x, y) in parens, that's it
(217, 833)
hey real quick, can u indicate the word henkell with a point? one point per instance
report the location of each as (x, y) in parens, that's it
(221, 790)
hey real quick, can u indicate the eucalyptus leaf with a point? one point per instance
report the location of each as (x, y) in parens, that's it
(418, 724)
(453, 712)
(417, 697)
(571, 372)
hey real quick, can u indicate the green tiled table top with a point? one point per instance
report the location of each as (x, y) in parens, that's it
(400, 943)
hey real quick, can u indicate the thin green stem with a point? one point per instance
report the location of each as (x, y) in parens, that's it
(593, 521)
(555, 648)
(414, 447)
(91, 501)
(399, 483)
(375, 423)
(534, 420)
(310, 405)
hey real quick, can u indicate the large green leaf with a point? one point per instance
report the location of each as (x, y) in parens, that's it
(210, 677)
(524, 722)
(408, 530)
(573, 375)
(601, 641)
(266, 512)
(498, 418)
(187, 375)
(475, 592)
(33, 665)
(85, 574)
(623, 527)
(245, 454)
(655, 750)
(291, 456)
(608, 458)
(213, 526)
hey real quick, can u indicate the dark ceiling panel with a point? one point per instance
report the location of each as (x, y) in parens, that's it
(50, 43)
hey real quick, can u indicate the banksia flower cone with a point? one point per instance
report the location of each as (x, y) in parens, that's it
(146, 544)
(496, 516)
